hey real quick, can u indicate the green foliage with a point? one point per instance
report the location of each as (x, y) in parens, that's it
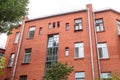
(58, 71)
(11, 14)
(2, 65)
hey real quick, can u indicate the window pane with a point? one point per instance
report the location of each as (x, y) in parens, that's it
(11, 60)
(16, 37)
(23, 77)
(80, 75)
(31, 32)
(27, 55)
(103, 51)
(79, 50)
(106, 75)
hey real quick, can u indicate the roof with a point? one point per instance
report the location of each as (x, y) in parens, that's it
(70, 12)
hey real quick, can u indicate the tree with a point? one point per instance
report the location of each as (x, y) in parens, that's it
(58, 71)
(11, 14)
(2, 65)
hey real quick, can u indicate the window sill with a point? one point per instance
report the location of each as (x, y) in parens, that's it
(79, 58)
(78, 30)
(104, 58)
(24, 63)
(100, 31)
(29, 38)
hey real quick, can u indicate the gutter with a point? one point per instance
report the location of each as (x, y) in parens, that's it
(18, 51)
(90, 40)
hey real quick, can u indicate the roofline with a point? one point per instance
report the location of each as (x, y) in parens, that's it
(2, 49)
(105, 10)
(55, 15)
(60, 14)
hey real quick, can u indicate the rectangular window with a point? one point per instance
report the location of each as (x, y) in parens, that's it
(40, 31)
(16, 37)
(31, 32)
(80, 76)
(11, 60)
(67, 26)
(49, 25)
(103, 50)
(106, 76)
(1, 54)
(99, 25)
(78, 24)
(79, 50)
(27, 55)
(23, 77)
(52, 49)
(53, 24)
(66, 51)
(58, 24)
(118, 26)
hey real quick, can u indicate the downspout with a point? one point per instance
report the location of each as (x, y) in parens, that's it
(90, 40)
(18, 51)
(96, 40)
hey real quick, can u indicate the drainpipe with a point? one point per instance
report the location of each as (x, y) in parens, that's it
(90, 40)
(19, 46)
(96, 40)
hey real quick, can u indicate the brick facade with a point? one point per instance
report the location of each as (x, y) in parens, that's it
(90, 64)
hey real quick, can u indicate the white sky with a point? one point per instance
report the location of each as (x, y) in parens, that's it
(40, 8)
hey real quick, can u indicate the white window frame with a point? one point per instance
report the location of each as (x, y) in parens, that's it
(106, 75)
(27, 55)
(80, 76)
(17, 37)
(103, 47)
(99, 25)
(31, 29)
(80, 47)
(118, 26)
(11, 60)
(78, 24)
(66, 51)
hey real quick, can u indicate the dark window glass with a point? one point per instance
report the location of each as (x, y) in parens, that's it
(23, 77)
(78, 24)
(67, 26)
(58, 24)
(53, 24)
(27, 55)
(40, 32)
(11, 60)
(99, 25)
(31, 32)
(52, 49)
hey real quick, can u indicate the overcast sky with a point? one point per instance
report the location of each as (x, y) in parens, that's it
(40, 8)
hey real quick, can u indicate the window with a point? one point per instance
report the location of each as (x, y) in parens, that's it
(52, 49)
(11, 60)
(27, 55)
(53, 24)
(66, 51)
(99, 25)
(118, 25)
(1, 55)
(16, 37)
(78, 24)
(103, 51)
(80, 76)
(106, 76)
(31, 32)
(79, 50)
(67, 26)
(40, 32)
(23, 77)
(49, 25)
(58, 24)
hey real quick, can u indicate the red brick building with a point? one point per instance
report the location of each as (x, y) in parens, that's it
(86, 39)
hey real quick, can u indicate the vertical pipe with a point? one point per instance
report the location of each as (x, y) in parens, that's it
(18, 51)
(91, 49)
(99, 69)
